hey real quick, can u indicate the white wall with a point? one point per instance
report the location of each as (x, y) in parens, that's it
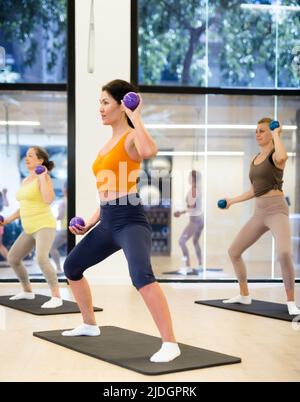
(112, 60)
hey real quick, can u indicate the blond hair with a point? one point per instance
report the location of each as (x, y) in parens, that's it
(265, 120)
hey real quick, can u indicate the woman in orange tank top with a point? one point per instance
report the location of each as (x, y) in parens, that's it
(120, 222)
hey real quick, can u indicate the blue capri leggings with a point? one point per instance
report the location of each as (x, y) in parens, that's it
(122, 226)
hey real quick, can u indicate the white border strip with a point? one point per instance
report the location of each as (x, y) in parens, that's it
(210, 126)
(209, 153)
(270, 7)
(19, 123)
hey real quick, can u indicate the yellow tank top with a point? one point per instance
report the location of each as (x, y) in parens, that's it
(35, 213)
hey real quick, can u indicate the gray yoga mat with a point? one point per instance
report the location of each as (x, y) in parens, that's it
(132, 350)
(257, 307)
(34, 306)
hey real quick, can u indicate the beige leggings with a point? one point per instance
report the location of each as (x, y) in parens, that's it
(42, 240)
(271, 213)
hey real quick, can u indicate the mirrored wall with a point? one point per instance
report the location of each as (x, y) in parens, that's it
(215, 136)
(26, 119)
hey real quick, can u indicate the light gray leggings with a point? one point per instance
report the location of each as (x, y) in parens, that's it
(42, 240)
(194, 228)
(271, 213)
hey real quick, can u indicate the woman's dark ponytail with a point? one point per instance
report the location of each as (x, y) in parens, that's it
(41, 153)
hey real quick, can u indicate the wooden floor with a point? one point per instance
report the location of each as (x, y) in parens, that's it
(270, 349)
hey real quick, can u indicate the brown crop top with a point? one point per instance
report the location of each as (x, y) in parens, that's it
(265, 176)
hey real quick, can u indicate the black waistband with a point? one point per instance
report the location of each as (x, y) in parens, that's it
(132, 199)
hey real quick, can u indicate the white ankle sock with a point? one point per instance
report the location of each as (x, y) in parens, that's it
(168, 352)
(239, 299)
(184, 270)
(53, 303)
(83, 329)
(292, 307)
(23, 295)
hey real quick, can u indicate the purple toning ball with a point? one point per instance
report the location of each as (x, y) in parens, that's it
(39, 169)
(131, 100)
(77, 221)
(1, 218)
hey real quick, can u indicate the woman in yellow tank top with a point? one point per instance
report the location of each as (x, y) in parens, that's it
(35, 196)
(120, 222)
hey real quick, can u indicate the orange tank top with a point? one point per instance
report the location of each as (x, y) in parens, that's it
(115, 170)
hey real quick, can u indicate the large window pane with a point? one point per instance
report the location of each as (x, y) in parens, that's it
(33, 34)
(171, 42)
(289, 47)
(241, 46)
(237, 43)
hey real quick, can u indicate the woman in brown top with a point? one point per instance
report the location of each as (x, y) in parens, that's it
(271, 213)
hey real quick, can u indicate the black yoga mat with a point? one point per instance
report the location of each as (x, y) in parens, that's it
(34, 306)
(257, 307)
(132, 350)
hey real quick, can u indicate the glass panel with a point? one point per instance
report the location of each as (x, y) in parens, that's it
(176, 122)
(28, 119)
(289, 46)
(178, 125)
(237, 43)
(229, 155)
(33, 36)
(172, 42)
(239, 39)
(289, 113)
